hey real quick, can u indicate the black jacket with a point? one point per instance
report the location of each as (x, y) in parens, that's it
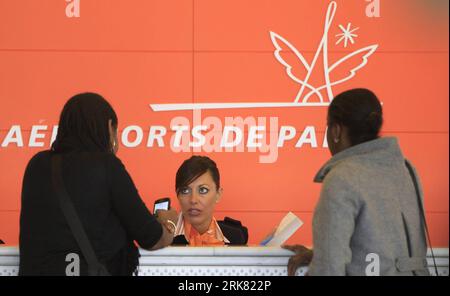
(107, 203)
(232, 229)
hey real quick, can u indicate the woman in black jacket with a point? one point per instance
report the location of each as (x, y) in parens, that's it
(102, 192)
(198, 191)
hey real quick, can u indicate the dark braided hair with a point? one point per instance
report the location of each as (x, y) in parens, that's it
(360, 111)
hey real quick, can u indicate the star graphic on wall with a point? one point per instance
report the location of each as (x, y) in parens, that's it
(347, 35)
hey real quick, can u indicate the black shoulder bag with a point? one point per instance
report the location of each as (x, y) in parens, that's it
(422, 212)
(95, 268)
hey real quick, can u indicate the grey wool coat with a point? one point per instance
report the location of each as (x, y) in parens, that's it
(367, 220)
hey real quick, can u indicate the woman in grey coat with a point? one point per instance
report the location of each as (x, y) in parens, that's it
(367, 220)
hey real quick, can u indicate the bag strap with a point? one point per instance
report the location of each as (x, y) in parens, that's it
(422, 211)
(72, 218)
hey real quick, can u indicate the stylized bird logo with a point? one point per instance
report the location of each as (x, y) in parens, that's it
(283, 47)
(360, 56)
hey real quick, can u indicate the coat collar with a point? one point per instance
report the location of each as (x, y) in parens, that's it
(387, 143)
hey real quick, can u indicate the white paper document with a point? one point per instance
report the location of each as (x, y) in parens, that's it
(287, 227)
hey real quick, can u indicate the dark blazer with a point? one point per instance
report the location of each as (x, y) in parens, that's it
(107, 203)
(232, 229)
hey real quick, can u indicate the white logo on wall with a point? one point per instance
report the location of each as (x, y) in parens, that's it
(306, 89)
(373, 8)
(263, 135)
(73, 8)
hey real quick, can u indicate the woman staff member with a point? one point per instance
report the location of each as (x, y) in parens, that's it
(198, 191)
(103, 195)
(368, 213)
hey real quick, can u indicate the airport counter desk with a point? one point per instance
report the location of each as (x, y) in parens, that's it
(213, 261)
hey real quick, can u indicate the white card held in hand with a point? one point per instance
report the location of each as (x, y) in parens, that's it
(287, 227)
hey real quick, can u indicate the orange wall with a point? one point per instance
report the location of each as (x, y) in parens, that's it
(143, 52)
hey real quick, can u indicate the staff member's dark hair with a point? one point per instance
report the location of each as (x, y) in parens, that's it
(193, 168)
(85, 118)
(360, 111)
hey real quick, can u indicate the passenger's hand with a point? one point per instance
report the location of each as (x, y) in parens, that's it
(302, 257)
(169, 228)
(165, 216)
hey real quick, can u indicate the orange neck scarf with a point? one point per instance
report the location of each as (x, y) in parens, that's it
(209, 238)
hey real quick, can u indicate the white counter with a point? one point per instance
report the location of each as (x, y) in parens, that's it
(214, 261)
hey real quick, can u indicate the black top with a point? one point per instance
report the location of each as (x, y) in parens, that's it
(232, 229)
(108, 205)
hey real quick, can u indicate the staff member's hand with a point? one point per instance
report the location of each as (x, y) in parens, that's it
(302, 257)
(168, 218)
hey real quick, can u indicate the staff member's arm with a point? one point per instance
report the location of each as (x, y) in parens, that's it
(134, 216)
